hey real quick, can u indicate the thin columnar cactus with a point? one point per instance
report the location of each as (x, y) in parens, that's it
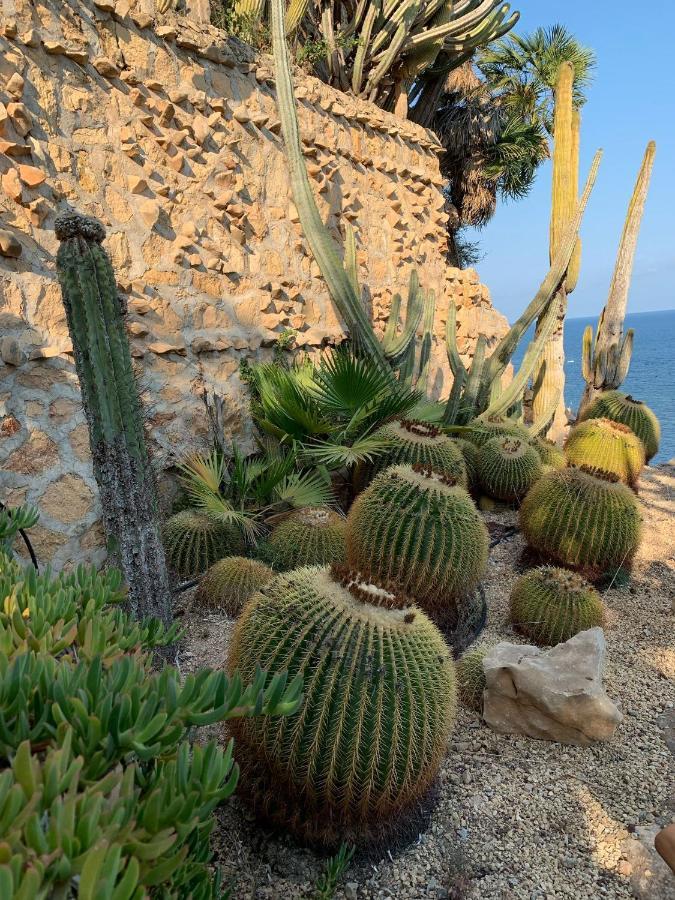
(578, 519)
(95, 317)
(471, 679)
(607, 445)
(606, 359)
(229, 583)
(307, 537)
(507, 468)
(634, 413)
(379, 705)
(194, 541)
(550, 605)
(421, 531)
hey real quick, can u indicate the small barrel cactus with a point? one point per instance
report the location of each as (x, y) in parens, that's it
(229, 583)
(549, 452)
(471, 679)
(583, 520)
(470, 453)
(416, 443)
(508, 467)
(379, 705)
(606, 445)
(634, 413)
(313, 536)
(550, 605)
(480, 431)
(194, 541)
(417, 529)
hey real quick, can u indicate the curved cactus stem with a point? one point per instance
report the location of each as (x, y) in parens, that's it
(318, 237)
(395, 346)
(543, 420)
(473, 382)
(457, 367)
(425, 348)
(295, 14)
(351, 263)
(587, 346)
(625, 354)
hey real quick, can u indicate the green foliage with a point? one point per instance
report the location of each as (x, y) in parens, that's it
(195, 540)
(471, 679)
(379, 705)
(413, 442)
(583, 521)
(480, 431)
(307, 537)
(606, 445)
(508, 467)
(101, 794)
(336, 866)
(634, 413)
(229, 583)
(549, 453)
(14, 520)
(551, 605)
(415, 529)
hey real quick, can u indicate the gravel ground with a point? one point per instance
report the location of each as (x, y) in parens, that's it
(515, 818)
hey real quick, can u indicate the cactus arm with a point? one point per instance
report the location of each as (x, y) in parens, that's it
(587, 344)
(574, 267)
(121, 465)
(504, 351)
(395, 346)
(542, 421)
(318, 237)
(425, 348)
(393, 50)
(251, 10)
(295, 14)
(363, 46)
(457, 368)
(351, 262)
(474, 380)
(625, 354)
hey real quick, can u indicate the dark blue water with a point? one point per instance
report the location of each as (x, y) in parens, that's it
(651, 376)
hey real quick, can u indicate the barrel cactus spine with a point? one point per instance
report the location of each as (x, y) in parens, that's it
(480, 431)
(194, 541)
(95, 317)
(507, 468)
(549, 453)
(307, 537)
(229, 583)
(471, 679)
(620, 407)
(420, 530)
(582, 519)
(606, 445)
(379, 705)
(550, 605)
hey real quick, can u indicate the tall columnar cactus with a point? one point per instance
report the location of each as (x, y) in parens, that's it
(307, 537)
(550, 605)
(606, 445)
(421, 531)
(578, 519)
(634, 413)
(229, 583)
(606, 358)
(95, 316)
(474, 391)
(549, 379)
(417, 443)
(507, 468)
(379, 705)
(194, 541)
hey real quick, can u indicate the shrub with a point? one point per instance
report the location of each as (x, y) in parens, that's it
(550, 605)
(194, 541)
(579, 519)
(508, 467)
(420, 531)
(379, 705)
(634, 413)
(471, 679)
(101, 794)
(307, 537)
(229, 583)
(606, 445)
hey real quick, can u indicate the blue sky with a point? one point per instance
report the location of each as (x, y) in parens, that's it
(629, 103)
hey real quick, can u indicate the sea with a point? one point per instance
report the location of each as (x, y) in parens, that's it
(651, 376)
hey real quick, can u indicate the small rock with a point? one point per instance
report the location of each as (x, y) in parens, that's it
(14, 86)
(9, 246)
(10, 352)
(31, 175)
(351, 890)
(11, 185)
(105, 67)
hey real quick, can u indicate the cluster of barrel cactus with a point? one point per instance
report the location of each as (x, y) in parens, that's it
(193, 541)
(635, 414)
(370, 737)
(549, 452)
(480, 431)
(229, 583)
(507, 468)
(584, 519)
(550, 605)
(312, 536)
(608, 446)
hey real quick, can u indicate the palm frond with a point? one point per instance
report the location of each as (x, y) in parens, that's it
(202, 474)
(335, 455)
(304, 489)
(221, 510)
(286, 407)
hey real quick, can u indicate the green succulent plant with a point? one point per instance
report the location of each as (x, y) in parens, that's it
(508, 467)
(634, 413)
(549, 453)
(550, 605)
(480, 431)
(420, 530)
(307, 537)
(582, 519)
(379, 705)
(470, 453)
(416, 443)
(606, 445)
(471, 679)
(194, 540)
(228, 583)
